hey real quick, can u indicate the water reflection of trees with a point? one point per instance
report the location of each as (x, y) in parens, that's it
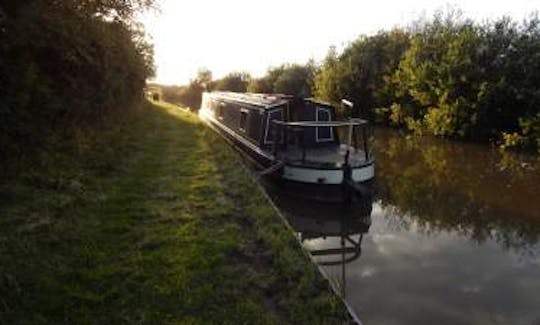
(470, 189)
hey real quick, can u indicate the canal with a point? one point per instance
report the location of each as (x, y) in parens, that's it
(452, 235)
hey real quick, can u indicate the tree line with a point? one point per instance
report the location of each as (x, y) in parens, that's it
(64, 63)
(295, 79)
(446, 76)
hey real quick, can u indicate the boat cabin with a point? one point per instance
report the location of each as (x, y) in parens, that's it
(251, 115)
(301, 138)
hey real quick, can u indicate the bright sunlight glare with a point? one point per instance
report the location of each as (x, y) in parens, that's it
(250, 36)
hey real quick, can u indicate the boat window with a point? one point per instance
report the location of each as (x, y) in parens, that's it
(276, 114)
(324, 134)
(255, 122)
(243, 120)
(219, 110)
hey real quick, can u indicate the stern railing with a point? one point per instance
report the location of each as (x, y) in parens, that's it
(284, 134)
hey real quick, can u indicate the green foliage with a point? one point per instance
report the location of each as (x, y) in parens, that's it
(530, 127)
(359, 73)
(63, 63)
(397, 114)
(266, 83)
(170, 94)
(439, 77)
(447, 76)
(189, 95)
(512, 140)
(261, 85)
(234, 81)
(326, 85)
(291, 79)
(296, 80)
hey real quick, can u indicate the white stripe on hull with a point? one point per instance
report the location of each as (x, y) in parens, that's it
(326, 176)
(363, 174)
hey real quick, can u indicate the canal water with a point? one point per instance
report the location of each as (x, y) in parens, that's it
(452, 235)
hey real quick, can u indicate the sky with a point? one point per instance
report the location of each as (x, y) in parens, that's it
(250, 36)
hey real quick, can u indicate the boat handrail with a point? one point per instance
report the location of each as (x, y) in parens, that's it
(351, 122)
(301, 126)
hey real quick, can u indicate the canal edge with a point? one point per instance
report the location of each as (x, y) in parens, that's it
(254, 178)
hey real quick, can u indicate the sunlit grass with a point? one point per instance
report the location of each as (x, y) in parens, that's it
(150, 220)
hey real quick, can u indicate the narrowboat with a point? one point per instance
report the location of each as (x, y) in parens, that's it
(298, 140)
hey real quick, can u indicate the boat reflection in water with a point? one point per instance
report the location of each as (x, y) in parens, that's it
(331, 233)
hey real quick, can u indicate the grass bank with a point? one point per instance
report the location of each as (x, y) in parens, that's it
(150, 220)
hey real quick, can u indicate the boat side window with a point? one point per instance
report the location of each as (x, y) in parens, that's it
(219, 110)
(324, 133)
(276, 114)
(243, 119)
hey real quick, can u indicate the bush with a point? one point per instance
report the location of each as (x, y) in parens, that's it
(290, 79)
(234, 81)
(63, 64)
(447, 76)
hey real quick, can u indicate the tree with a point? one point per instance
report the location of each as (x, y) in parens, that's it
(437, 81)
(296, 80)
(204, 78)
(509, 101)
(260, 85)
(327, 80)
(291, 79)
(234, 81)
(64, 63)
(266, 83)
(360, 72)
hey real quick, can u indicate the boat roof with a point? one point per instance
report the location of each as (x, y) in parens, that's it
(262, 100)
(316, 101)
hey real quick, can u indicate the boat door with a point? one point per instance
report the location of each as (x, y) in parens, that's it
(323, 134)
(271, 129)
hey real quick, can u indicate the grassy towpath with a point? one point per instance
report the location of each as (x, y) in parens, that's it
(151, 220)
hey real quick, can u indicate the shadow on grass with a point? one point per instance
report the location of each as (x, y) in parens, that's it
(151, 222)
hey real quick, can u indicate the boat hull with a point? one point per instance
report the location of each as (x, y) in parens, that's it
(256, 156)
(327, 176)
(319, 184)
